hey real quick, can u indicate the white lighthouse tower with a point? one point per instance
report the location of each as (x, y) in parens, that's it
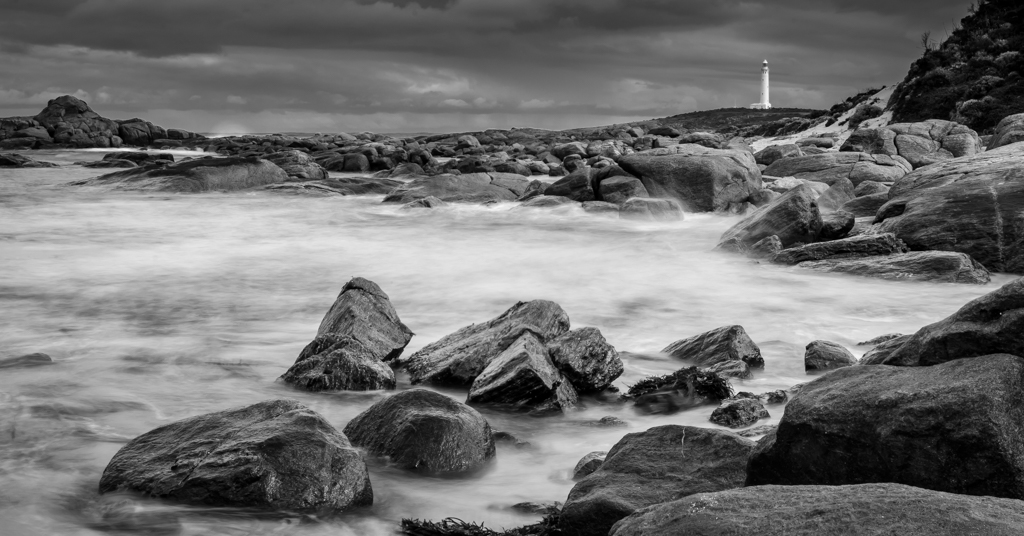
(764, 104)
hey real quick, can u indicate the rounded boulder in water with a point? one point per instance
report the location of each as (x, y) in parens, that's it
(277, 455)
(424, 431)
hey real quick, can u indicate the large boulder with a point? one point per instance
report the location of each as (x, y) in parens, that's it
(586, 359)
(830, 167)
(720, 345)
(826, 355)
(703, 181)
(920, 144)
(991, 324)
(193, 176)
(794, 217)
(14, 160)
(620, 189)
(523, 378)
(1009, 130)
(770, 154)
(466, 188)
(845, 248)
(334, 362)
(458, 358)
(971, 205)
(72, 122)
(955, 427)
(652, 467)
(855, 510)
(578, 186)
(298, 165)
(277, 455)
(939, 266)
(139, 133)
(424, 431)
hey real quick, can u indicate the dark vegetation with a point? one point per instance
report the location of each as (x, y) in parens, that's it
(974, 76)
(457, 527)
(700, 382)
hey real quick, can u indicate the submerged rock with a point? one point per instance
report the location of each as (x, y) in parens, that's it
(939, 266)
(458, 358)
(991, 324)
(193, 176)
(956, 427)
(826, 355)
(277, 454)
(338, 186)
(643, 208)
(426, 202)
(739, 413)
(424, 431)
(727, 343)
(588, 464)
(24, 361)
(652, 467)
(854, 510)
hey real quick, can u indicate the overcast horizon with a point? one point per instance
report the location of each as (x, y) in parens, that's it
(448, 65)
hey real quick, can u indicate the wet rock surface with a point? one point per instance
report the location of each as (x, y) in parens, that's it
(727, 343)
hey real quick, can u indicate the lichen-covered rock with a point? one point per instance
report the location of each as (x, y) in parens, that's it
(458, 358)
(854, 510)
(920, 144)
(586, 359)
(277, 455)
(424, 431)
(651, 467)
(739, 413)
(991, 324)
(727, 343)
(955, 427)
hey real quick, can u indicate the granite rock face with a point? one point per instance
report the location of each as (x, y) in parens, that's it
(193, 176)
(706, 180)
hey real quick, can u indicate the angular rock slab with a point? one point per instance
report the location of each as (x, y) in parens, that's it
(338, 363)
(844, 248)
(991, 324)
(458, 358)
(856, 510)
(523, 378)
(938, 266)
(193, 176)
(955, 427)
(720, 345)
(424, 431)
(651, 467)
(586, 359)
(277, 455)
(793, 217)
(465, 188)
(972, 205)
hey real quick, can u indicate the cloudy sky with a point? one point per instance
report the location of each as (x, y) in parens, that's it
(447, 65)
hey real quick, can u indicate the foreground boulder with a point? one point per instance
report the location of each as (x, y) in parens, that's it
(939, 266)
(466, 188)
(424, 431)
(856, 510)
(970, 205)
(651, 467)
(703, 181)
(793, 217)
(458, 358)
(1009, 130)
(277, 455)
(991, 324)
(193, 176)
(359, 332)
(727, 343)
(955, 427)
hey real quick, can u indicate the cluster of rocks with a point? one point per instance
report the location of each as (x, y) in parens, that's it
(69, 122)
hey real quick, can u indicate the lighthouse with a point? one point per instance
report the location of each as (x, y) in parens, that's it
(764, 104)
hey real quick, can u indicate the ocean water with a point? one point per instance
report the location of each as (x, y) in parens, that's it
(157, 307)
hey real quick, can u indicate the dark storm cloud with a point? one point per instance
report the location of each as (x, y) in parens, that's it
(466, 62)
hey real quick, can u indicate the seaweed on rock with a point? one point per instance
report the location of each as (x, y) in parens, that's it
(703, 383)
(456, 527)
